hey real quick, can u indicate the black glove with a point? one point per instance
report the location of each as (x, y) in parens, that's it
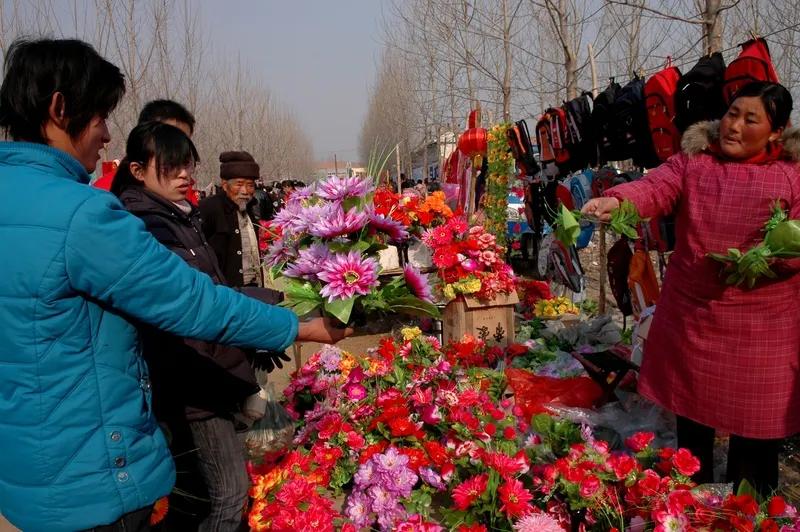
(269, 360)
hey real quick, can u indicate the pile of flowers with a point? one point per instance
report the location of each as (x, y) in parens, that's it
(413, 436)
(415, 213)
(531, 292)
(268, 234)
(469, 261)
(329, 237)
(554, 307)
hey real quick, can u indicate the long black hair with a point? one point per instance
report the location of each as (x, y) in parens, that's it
(167, 145)
(37, 69)
(776, 98)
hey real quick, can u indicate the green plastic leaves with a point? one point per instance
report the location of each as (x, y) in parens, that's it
(625, 219)
(567, 227)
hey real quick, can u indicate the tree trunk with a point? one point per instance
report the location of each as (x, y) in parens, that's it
(712, 26)
(507, 70)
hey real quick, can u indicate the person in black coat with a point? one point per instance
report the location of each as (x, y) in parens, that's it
(198, 387)
(229, 221)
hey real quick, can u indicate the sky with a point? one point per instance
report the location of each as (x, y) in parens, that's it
(317, 56)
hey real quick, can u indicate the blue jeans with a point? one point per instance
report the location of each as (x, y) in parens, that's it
(220, 456)
(138, 521)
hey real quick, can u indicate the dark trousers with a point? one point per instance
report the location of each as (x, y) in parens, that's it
(748, 459)
(220, 453)
(138, 521)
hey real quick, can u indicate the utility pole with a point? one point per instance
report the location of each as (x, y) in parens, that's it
(335, 166)
(602, 233)
(397, 159)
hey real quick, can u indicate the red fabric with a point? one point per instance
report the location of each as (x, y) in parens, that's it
(104, 182)
(722, 356)
(191, 195)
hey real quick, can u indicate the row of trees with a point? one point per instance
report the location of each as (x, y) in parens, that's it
(162, 48)
(518, 57)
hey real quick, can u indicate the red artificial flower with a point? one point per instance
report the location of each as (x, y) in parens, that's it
(776, 506)
(355, 441)
(589, 486)
(502, 463)
(401, 427)
(436, 452)
(472, 528)
(679, 500)
(509, 433)
(743, 504)
(685, 462)
(468, 491)
(372, 450)
(490, 429)
(768, 525)
(515, 498)
(159, 512)
(639, 441)
(622, 465)
(416, 458)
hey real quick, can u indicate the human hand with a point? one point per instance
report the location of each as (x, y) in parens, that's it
(269, 360)
(600, 208)
(322, 330)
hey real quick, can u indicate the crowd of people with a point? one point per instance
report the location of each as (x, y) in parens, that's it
(136, 315)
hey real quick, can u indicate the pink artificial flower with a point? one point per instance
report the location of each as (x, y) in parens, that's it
(430, 414)
(417, 283)
(339, 223)
(348, 275)
(538, 522)
(355, 392)
(338, 188)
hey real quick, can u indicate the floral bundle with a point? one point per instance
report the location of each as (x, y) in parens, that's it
(554, 307)
(501, 168)
(413, 437)
(469, 261)
(330, 237)
(415, 213)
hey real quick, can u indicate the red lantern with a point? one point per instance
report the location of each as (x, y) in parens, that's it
(473, 142)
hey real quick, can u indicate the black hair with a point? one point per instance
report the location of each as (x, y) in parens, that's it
(168, 145)
(776, 98)
(37, 69)
(161, 110)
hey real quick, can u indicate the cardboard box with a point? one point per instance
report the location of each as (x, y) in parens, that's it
(489, 319)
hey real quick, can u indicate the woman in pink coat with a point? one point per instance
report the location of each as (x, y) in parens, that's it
(719, 356)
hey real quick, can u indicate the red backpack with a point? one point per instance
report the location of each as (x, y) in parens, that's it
(559, 135)
(753, 64)
(659, 99)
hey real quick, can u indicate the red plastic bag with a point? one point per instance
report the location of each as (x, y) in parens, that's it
(532, 392)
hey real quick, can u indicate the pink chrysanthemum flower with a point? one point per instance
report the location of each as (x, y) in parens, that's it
(537, 522)
(309, 262)
(278, 253)
(395, 230)
(338, 188)
(348, 275)
(417, 283)
(339, 223)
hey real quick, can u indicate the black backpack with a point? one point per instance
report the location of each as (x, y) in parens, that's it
(580, 130)
(699, 94)
(603, 121)
(631, 133)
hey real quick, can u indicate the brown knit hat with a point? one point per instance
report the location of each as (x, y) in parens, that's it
(238, 164)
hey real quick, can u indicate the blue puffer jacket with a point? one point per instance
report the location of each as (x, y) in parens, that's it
(79, 446)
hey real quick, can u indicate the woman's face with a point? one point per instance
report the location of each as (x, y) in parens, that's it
(172, 185)
(745, 129)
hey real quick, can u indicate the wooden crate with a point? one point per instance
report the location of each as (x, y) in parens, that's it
(468, 315)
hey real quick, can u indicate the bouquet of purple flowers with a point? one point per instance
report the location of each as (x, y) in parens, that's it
(328, 254)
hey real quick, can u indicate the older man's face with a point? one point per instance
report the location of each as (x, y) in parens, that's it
(240, 190)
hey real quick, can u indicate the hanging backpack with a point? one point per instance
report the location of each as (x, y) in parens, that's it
(558, 137)
(603, 121)
(544, 140)
(580, 187)
(659, 100)
(631, 134)
(519, 140)
(565, 266)
(580, 131)
(619, 266)
(642, 282)
(699, 93)
(753, 64)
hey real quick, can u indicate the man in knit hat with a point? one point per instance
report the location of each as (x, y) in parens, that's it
(229, 223)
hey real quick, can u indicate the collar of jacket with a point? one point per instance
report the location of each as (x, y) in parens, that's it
(34, 154)
(701, 137)
(139, 200)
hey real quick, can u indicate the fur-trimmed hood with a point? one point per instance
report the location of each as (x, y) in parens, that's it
(701, 135)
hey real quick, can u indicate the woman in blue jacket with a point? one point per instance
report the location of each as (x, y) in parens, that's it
(80, 446)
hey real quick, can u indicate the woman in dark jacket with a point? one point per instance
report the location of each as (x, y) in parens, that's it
(206, 384)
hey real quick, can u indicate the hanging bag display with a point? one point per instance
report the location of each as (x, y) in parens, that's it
(753, 64)
(631, 136)
(659, 100)
(543, 139)
(603, 121)
(558, 137)
(519, 140)
(619, 267)
(580, 130)
(699, 93)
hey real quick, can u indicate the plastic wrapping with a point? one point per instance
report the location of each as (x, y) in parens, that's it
(274, 431)
(532, 393)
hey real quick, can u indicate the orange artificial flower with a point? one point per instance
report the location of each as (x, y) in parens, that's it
(159, 511)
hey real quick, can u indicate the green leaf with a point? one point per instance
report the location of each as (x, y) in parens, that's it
(375, 248)
(413, 306)
(301, 291)
(301, 308)
(567, 227)
(351, 202)
(340, 308)
(745, 488)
